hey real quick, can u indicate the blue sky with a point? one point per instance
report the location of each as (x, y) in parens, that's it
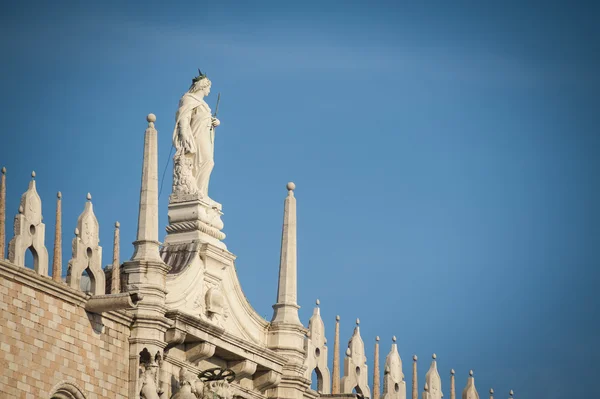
(445, 157)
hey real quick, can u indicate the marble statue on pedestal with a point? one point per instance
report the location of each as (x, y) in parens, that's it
(193, 139)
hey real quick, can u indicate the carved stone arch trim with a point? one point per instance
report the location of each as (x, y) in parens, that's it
(67, 390)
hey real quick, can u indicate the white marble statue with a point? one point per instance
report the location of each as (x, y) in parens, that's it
(193, 139)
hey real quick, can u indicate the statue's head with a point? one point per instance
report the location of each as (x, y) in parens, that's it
(200, 84)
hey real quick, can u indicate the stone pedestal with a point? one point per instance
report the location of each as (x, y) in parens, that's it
(192, 218)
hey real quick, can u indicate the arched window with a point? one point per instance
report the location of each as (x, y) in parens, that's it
(67, 390)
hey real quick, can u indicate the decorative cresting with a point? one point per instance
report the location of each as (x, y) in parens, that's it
(87, 254)
(316, 352)
(355, 366)
(376, 375)
(470, 392)
(433, 382)
(394, 386)
(57, 256)
(2, 212)
(29, 231)
(335, 387)
(415, 392)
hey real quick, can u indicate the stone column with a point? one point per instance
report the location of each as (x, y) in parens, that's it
(335, 384)
(376, 377)
(3, 213)
(57, 256)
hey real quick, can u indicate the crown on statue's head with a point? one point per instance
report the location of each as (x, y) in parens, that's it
(199, 77)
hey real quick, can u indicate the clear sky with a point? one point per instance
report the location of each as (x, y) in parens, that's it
(445, 157)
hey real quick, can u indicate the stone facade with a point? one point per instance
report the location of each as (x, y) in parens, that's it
(173, 321)
(48, 339)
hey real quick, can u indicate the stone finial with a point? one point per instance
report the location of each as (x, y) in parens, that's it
(57, 256)
(29, 232)
(87, 253)
(491, 393)
(452, 385)
(286, 308)
(115, 286)
(433, 381)
(291, 186)
(146, 243)
(335, 383)
(511, 393)
(415, 393)
(316, 352)
(3, 213)
(470, 392)
(355, 365)
(394, 386)
(318, 302)
(88, 197)
(376, 374)
(33, 174)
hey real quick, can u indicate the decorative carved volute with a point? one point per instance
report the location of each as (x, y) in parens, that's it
(29, 231)
(355, 366)
(87, 253)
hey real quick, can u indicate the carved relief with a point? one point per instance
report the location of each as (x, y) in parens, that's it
(183, 177)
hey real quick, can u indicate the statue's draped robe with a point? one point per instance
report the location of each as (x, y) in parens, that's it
(193, 137)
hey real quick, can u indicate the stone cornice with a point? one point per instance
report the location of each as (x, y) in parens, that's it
(193, 325)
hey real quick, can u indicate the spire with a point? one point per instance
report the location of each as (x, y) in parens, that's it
(2, 213)
(286, 308)
(470, 392)
(335, 385)
(376, 377)
(57, 258)
(433, 381)
(146, 244)
(415, 393)
(115, 286)
(452, 385)
(491, 393)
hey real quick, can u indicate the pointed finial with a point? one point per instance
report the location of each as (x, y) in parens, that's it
(88, 196)
(470, 373)
(415, 358)
(452, 372)
(151, 118)
(394, 338)
(348, 352)
(434, 356)
(59, 195)
(377, 338)
(511, 393)
(318, 302)
(337, 318)
(33, 174)
(291, 186)
(357, 321)
(3, 170)
(76, 231)
(491, 391)
(117, 225)
(20, 208)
